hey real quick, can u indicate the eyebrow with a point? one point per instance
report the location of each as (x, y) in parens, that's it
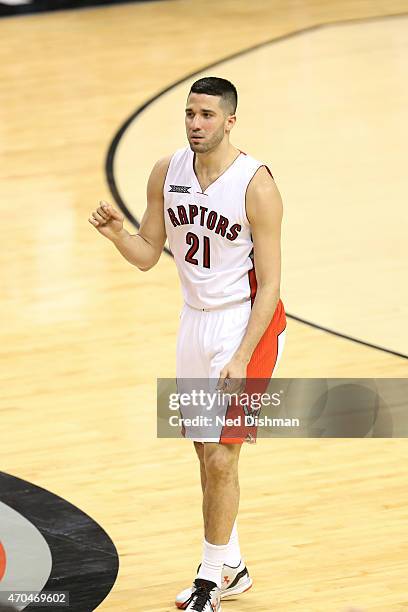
(203, 110)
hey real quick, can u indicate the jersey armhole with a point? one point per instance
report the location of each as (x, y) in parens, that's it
(246, 190)
(166, 175)
(173, 160)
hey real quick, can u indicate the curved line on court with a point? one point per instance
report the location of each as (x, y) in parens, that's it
(109, 163)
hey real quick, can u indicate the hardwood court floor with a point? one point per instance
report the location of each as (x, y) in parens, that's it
(322, 522)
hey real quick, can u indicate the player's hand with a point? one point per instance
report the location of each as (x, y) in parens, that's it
(233, 376)
(107, 220)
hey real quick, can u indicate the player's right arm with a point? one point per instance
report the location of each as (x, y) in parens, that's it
(144, 248)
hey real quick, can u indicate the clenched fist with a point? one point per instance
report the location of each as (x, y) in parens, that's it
(107, 220)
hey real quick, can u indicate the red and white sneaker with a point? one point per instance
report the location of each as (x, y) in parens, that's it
(234, 580)
(205, 597)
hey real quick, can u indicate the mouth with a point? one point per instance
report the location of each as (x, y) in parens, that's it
(196, 138)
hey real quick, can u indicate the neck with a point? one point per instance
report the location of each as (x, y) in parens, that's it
(215, 161)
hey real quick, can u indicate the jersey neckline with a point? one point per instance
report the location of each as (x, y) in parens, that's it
(204, 192)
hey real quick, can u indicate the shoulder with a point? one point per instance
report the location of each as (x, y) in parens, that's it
(159, 171)
(261, 180)
(179, 156)
(162, 164)
(262, 197)
(257, 174)
(157, 176)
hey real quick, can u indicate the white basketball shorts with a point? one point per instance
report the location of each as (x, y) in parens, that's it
(207, 340)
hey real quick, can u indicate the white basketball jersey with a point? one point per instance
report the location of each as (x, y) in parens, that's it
(208, 232)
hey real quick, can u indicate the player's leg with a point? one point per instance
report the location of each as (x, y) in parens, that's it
(221, 496)
(199, 447)
(211, 572)
(191, 366)
(233, 552)
(220, 506)
(233, 557)
(234, 578)
(220, 499)
(205, 593)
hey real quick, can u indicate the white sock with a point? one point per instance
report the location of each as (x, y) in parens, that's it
(213, 560)
(233, 556)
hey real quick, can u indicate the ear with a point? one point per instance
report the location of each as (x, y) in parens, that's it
(230, 122)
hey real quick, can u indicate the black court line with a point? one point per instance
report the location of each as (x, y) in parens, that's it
(336, 333)
(48, 6)
(110, 158)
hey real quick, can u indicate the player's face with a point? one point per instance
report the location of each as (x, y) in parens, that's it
(206, 122)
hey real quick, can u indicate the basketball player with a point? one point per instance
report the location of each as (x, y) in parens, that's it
(221, 212)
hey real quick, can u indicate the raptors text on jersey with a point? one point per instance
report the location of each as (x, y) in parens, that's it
(209, 232)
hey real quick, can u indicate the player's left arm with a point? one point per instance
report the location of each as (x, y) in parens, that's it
(264, 211)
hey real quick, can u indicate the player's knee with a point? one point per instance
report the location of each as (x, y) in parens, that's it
(221, 465)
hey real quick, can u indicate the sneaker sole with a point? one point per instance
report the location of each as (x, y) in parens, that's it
(237, 591)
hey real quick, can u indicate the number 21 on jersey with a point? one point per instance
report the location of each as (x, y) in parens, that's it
(194, 243)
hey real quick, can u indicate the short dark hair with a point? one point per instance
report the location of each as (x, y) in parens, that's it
(214, 86)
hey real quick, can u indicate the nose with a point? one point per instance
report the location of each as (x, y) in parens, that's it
(195, 123)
